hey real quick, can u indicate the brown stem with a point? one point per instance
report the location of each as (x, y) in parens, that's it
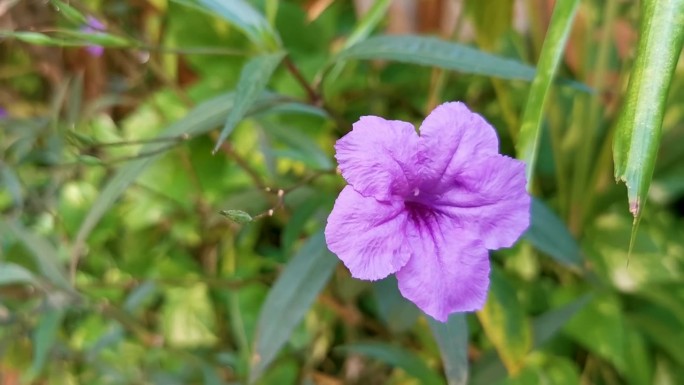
(314, 98)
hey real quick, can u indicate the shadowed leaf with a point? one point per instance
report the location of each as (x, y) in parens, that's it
(289, 299)
(452, 339)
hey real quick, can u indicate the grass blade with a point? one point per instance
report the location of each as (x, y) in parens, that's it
(253, 79)
(550, 57)
(639, 125)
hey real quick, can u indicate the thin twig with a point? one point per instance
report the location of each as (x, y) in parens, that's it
(314, 97)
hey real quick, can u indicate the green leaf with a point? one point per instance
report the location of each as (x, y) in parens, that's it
(435, 52)
(36, 38)
(301, 215)
(98, 38)
(550, 235)
(505, 323)
(492, 19)
(551, 54)
(11, 273)
(639, 125)
(45, 255)
(600, 328)
(201, 119)
(188, 317)
(44, 337)
(253, 79)
(548, 324)
(305, 148)
(396, 311)
(11, 183)
(242, 15)
(399, 357)
(70, 13)
(237, 216)
(452, 339)
(289, 299)
(367, 24)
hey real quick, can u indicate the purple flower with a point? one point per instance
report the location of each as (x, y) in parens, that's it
(93, 26)
(3, 113)
(427, 206)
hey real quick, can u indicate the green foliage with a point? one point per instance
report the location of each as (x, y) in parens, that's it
(162, 206)
(549, 59)
(639, 125)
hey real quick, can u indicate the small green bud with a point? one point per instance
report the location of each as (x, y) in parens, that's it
(89, 160)
(237, 216)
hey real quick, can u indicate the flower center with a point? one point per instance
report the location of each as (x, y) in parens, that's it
(418, 211)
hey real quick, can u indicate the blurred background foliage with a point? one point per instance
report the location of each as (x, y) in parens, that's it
(117, 267)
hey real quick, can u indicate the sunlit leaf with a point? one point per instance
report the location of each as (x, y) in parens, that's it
(188, 317)
(505, 323)
(639, 125)
(253, 79)
(549, 59)
(289, 299)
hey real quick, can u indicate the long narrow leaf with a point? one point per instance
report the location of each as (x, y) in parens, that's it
(203, 118)
(549, 234)
(253, 79)
(452, 338)
(369, 21)
(435, 52)
(289, 299)
(550, 57)
(44, 254)
(242, 15)
(639, 125)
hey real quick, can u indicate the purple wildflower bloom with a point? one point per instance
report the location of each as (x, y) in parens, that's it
(427, 206)
(94, 25)
(3, 113)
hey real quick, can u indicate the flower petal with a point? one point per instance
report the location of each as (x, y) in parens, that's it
(488, 196)
(378, 157)
(448, 271)
(452, 135)
(368, 235)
